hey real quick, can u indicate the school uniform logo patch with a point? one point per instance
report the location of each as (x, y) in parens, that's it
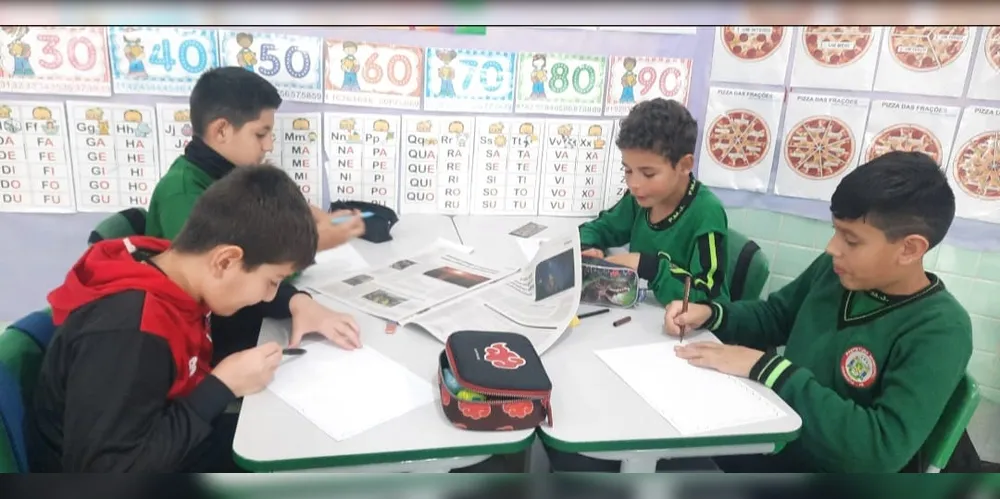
(192, 365)
(502, 357)
(858, 367)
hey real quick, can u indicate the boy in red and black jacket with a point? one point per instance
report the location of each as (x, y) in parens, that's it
(127, 383)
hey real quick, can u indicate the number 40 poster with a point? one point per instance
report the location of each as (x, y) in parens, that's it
(160, 61)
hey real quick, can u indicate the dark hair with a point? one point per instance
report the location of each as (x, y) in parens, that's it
(233, 94)
(259, 209)
(899, 193)
(662, 126)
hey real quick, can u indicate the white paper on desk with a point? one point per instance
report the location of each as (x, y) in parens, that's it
(694, 400)
(345, 393)
(529, 246)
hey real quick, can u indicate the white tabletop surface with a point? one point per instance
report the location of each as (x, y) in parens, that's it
(273, 436)
(490, 236)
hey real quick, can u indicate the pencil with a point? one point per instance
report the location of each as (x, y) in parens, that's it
(687, 298)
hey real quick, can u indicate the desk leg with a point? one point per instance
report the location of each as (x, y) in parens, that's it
(641, 464)
(536, 460)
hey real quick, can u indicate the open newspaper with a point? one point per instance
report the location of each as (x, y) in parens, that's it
(444, 290)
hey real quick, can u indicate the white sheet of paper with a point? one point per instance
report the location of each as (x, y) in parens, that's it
(677, 390)
(345, 393)
(529, 246)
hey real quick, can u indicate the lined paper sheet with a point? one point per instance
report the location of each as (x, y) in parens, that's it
(345, 393)
(694, 400)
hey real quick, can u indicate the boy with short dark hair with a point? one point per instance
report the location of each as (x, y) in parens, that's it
(232, 120)
(874, 344)
(126, 383)
(675, 226)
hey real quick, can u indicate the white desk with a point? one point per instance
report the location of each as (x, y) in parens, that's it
(596, 413)
(271, 436)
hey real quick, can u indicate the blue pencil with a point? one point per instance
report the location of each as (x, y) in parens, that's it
(340, 220)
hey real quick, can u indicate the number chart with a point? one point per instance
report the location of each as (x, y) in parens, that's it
(560, 84)
(638, 79)
(114, 153)
(174, 127)
(616, 185)
(374, 74)
(292, 63)
(436, 164)
(54, 60)
(160, 61)
(362, 150)
(506, 166)
(35, 172)
(574, 167)
(464, 80)
(297, 150)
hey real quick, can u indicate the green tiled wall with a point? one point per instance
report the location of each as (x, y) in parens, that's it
(792, 242)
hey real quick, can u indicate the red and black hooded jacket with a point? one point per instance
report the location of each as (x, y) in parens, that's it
(125, 384)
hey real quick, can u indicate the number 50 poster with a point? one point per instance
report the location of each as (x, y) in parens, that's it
(292, 63)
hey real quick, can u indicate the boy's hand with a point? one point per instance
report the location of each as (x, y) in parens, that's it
(729, 359)
(695, 317)
(332, 235)
(308, 316)
(630, 260)
(249, 371)
(593, 253)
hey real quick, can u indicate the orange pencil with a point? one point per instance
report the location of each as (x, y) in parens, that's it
(687, 298)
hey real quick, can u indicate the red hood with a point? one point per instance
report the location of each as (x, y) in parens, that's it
(108, 267)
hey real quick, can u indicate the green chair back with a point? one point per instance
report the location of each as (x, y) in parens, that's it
(125, 223)
(22, 346)
(747, 265)
(938, 448)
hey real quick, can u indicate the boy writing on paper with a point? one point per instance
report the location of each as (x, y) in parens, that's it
(232, 118)
(675, 226)
(126, 383)
(874, 344)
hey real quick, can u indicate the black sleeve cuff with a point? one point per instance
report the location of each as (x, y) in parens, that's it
(278, 307)
(649, 266)
(209, 399)
(718, 317)
(772, 370)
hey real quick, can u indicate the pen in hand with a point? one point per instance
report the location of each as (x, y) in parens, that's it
(684, 306)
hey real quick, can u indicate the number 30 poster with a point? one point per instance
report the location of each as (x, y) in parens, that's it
(54, 60)
(160, 61)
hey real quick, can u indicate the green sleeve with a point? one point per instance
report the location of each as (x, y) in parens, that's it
(763, 324)
(706, 266)
(920, 375)
(612, 228)
(170, 214)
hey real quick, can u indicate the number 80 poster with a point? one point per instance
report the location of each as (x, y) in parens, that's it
(160, 61)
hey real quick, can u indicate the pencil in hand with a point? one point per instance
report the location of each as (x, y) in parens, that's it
(684, 306)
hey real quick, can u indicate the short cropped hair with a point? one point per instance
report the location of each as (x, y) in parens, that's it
(259, 209)
(899, 193)
(233, 94)
(662, 126)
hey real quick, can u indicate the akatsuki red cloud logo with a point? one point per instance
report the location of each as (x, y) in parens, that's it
(473, 410)
(502, 357)
(520, 409)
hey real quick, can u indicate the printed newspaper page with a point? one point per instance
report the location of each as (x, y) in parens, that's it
(538, 302)
(404, 288)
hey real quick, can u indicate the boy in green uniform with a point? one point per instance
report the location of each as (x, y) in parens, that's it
(874, 344)
(232, 117)
(674, 226)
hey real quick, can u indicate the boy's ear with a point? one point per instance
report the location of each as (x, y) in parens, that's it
(218, 130)
(685, 164)
(914, 247)
(224, 258)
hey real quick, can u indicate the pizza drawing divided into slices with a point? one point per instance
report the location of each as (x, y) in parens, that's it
(905, 137)
(738, 140)
(836, 46)
(991, 45)
(927, 48)
(752, 43)
(977, 166)
(819, 147)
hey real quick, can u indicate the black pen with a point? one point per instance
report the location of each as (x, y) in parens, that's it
(293, 351)
(591, 314)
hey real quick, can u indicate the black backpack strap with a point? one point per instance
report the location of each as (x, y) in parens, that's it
(742, 268)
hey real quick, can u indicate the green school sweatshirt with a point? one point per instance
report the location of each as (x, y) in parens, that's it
(868, 373)
(174, 196)
(690, 241)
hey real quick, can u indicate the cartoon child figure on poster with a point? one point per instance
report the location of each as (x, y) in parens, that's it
(628, 81)
(245, 58)
(134, 53)
(20, 51)
(350, 66)
(446, 73)
(539, 76)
